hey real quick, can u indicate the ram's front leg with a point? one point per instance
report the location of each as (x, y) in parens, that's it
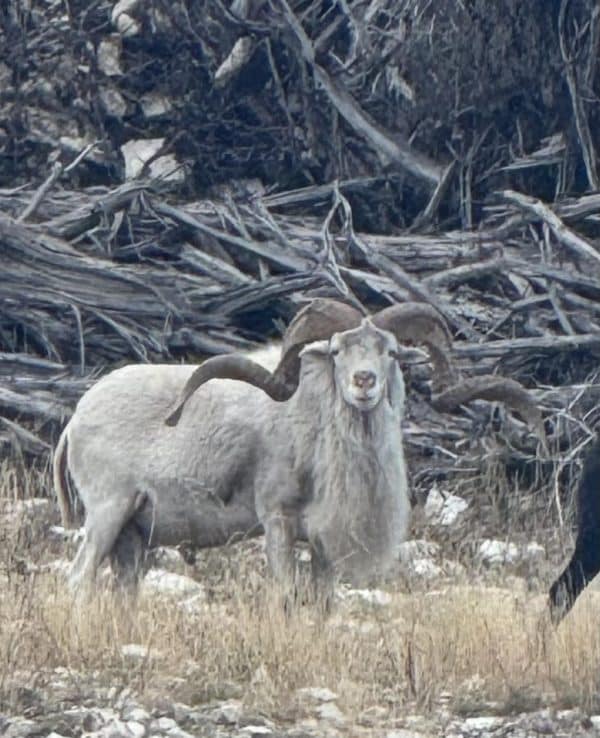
(280, 535)
(323, 576)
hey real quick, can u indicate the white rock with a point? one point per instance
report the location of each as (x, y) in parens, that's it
(20, 728)
(123, 6)
(73, 143)
(317, 694)
(179, 733)
(168, 168)
(154, 105)
(493, 552)
(122, 19)
(138, 714)
(425, 569)
(181, 711)
(127, 26)
(534, 552)
(137, 651)
(331, 712)
(55, 735)
(444, 509)
(161, 582)
(303, 556)
(123, 699)
(120, 728)
(419, 548)
(568, 715)
(228, 713)
(137, 152)
(255, 730)
(112, 101)
(404, 733)
(375, 597)
(595, 721)
(109, 56)
(482, 723)
(164, 724)
(96, 718)
(74, 534)
(137, 730)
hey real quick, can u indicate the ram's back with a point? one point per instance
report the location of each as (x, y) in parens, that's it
(118, 431)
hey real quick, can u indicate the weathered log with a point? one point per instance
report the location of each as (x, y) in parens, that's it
(215, 276)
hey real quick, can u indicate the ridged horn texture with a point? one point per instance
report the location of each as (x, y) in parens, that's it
(318, 320)
(493, 388)
(418, 322)
(230, 366)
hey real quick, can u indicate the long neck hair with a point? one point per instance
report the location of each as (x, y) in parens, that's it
(358, 473)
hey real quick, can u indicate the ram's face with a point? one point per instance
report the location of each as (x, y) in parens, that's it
(363, 359)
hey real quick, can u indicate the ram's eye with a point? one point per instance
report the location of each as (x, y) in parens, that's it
(334, 351)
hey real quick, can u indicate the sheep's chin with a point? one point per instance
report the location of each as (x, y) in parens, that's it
(363, 402)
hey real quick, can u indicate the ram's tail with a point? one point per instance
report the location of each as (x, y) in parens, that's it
(585, 562)
(61, 483)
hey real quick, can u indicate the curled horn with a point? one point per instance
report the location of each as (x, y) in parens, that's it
(418, 322)
(318, 320)
(230, 366)
(493, 388)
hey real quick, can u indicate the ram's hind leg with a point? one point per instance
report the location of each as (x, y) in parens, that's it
(103, 525)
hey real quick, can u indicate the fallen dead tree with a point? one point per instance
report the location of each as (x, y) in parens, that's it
(111, 276)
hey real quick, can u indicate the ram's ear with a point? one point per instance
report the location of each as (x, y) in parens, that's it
(396, 389)
(316, 348)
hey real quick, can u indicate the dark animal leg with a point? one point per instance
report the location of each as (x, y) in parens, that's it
(128, 559)
(585, 562)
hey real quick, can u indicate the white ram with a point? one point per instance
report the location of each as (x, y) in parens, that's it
(312, 451)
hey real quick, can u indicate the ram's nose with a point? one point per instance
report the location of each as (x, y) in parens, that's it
(364, 379)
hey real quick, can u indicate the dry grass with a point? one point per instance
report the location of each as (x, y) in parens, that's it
(481, 647)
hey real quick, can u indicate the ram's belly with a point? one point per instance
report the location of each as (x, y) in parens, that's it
(195, 516)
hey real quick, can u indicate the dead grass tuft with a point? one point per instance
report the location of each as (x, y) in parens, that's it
(481, 647)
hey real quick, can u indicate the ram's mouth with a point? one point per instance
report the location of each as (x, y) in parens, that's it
(366, 402)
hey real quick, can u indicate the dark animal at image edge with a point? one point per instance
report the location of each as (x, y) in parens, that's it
(585, 562)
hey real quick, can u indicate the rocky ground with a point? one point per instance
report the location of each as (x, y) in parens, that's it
(91, 698)
(73, 705)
